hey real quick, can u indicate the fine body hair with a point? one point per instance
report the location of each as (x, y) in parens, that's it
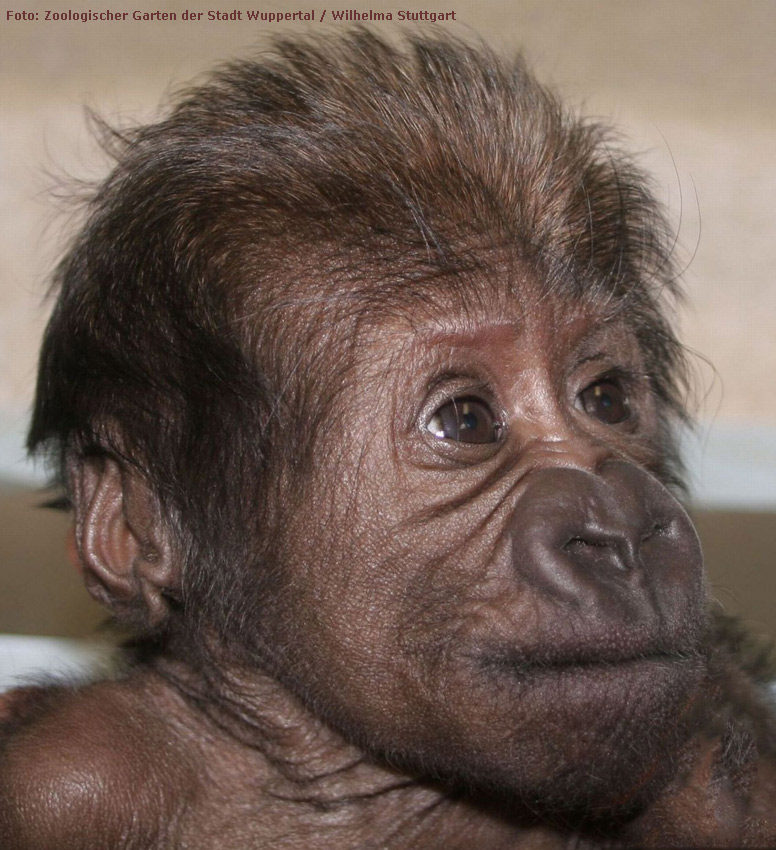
(278, 208)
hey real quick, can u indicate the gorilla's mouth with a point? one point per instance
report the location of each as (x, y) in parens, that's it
(524, 666)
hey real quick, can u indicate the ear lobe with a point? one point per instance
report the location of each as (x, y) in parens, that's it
(122, 547)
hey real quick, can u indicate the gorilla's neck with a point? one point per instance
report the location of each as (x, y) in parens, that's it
(275, 766)
(278, 776)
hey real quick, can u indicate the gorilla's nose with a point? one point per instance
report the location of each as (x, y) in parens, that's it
(574, 531)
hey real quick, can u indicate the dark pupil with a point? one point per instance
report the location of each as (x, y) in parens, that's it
(605, 401)
(465, 420)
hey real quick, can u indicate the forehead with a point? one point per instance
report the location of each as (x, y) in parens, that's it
(406, 306)
(493, 308)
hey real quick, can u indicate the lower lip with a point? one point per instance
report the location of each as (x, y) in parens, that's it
(556, 668)
(626, 672)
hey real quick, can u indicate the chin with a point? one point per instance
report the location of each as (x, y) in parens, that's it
(578, 737)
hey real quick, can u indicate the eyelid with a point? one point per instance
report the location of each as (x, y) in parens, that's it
(447, 387)
(457, 383)
(620, 375)
(442, 389)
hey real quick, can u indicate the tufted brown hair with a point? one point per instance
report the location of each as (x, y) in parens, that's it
(281, 203)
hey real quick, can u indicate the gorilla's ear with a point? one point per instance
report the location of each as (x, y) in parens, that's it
(120, 542)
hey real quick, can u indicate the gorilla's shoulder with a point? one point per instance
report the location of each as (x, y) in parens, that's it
(80, 762)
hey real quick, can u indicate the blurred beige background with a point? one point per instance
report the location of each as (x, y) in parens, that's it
(689, 82)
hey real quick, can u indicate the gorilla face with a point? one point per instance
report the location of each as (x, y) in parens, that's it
(487, 581)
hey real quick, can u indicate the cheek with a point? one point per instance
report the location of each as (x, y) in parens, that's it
(373, 603)
(411, 634)
(370, 614)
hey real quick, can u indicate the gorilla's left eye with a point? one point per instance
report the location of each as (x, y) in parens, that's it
(465, 420)
(606, 401)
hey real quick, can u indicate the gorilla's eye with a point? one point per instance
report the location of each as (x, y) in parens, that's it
(605, 401)
(465, 420)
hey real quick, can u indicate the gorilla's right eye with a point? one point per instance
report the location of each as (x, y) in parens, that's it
(465, 420)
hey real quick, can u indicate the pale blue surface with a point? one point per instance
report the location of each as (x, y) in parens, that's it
(732, 467)
(26, 659)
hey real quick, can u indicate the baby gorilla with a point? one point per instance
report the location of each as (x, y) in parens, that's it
(362, 386)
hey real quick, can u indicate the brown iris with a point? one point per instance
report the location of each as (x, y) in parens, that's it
(465, 420)
(605, 401)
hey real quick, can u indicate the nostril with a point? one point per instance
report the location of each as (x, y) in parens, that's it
(660, 528)
(630, 538)
(578, 541)
(597, 551)
(620, 527)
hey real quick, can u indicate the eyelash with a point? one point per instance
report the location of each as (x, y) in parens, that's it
(457, 386)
